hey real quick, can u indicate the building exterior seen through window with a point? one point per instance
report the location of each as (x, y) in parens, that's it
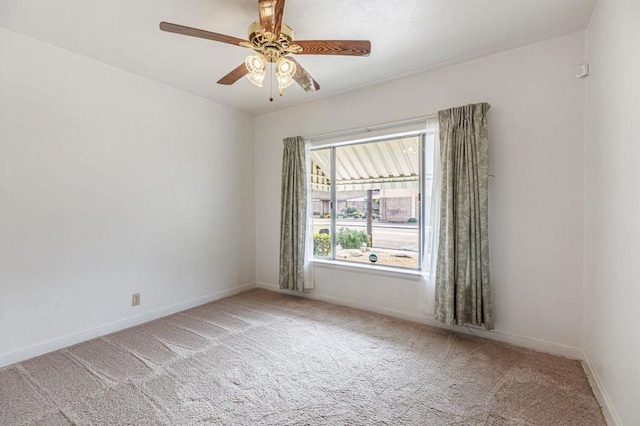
(366, 202)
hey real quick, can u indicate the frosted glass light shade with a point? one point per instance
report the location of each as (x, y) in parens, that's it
(256, 64)
(257, 67)
(256, 79)
(284, 82)
(285, 70)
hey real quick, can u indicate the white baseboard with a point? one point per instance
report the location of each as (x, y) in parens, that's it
(525, 342)
(72, 339)
(610, 414)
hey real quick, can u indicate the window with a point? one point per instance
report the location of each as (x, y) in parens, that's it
(367, 200)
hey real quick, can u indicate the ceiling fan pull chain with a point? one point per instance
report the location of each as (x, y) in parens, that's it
(271, 82)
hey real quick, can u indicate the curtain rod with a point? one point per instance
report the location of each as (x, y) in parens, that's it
(368, 129)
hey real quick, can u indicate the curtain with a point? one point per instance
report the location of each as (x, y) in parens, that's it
(308, 253)
(431, 190)
(462, 288)
(294, 217)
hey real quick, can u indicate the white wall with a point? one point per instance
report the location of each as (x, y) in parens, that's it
(537, 124)
(612, 267)
(112, 184)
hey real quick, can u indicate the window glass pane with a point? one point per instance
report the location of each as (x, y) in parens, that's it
(378, 207)
(320, 176)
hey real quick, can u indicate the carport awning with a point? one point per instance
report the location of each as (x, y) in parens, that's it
(393, 164)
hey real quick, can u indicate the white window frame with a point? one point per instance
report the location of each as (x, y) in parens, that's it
(422, 186)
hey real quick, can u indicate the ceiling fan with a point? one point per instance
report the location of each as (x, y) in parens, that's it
(273, 42)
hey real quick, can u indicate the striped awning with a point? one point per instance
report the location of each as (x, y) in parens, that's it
(392, 164)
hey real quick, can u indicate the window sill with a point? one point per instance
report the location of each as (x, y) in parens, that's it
(407, 274)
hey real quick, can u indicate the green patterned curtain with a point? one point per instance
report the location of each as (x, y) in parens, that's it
(463, 291)
(293, 215)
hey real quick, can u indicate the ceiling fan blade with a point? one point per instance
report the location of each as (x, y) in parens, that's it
(235, 75)
(303, 78)
(334, 47)
(265, 10)
(277, 20)
(271, 12)
(194, 32)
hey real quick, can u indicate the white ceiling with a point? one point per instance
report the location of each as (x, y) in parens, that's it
(407, 36)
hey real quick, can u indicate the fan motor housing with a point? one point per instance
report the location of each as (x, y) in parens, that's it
(264, 42)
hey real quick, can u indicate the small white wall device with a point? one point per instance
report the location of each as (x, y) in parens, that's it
(582, 71)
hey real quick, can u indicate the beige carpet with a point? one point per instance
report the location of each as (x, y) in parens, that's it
(261, 358)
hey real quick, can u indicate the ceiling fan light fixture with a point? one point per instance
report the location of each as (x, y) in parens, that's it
(256, 64)
(285, 67)
(284, 82)
(256, 79)
(285, 70)
(257, 67)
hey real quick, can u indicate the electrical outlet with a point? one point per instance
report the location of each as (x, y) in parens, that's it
(135, 299)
